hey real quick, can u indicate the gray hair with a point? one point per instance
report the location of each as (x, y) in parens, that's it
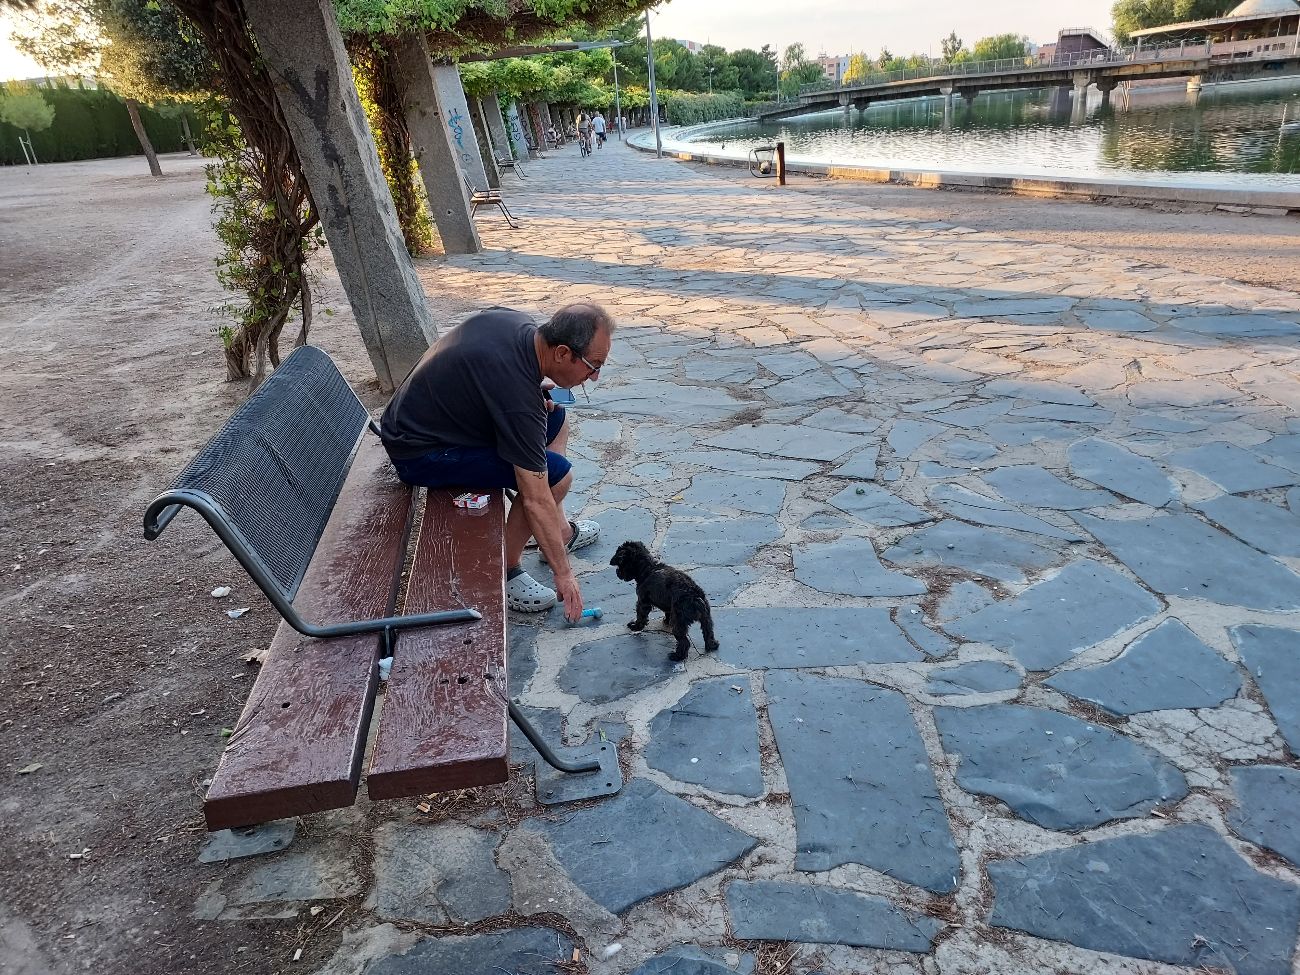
(575, 326)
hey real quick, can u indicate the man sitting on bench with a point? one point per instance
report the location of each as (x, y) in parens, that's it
(473, 414)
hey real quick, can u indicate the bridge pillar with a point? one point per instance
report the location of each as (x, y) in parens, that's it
(1079, 109)
(946, 92)
(968, 96)
(1194, 83)
(1105, 86)
(861, 104)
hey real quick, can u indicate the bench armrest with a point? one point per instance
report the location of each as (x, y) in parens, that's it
(164, 508)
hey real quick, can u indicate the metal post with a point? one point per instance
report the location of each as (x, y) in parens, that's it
(618, 111)
(780, 164)
(654, 97)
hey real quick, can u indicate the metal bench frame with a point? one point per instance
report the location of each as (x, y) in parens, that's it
(333, 402)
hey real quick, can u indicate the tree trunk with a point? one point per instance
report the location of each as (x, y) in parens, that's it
(185, 130)
(133, 109)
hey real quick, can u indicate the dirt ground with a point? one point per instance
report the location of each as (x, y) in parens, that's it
(119, 670)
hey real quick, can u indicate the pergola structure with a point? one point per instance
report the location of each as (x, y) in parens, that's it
(1261, 21)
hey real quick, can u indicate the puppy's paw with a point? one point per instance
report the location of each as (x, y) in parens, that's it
(711, 645)
(677, 656)
(636, 626)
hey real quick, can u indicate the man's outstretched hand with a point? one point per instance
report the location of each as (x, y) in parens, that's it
(568, 592)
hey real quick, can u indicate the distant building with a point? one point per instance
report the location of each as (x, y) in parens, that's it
(834, 68)
(1255, 26)
(692, 46)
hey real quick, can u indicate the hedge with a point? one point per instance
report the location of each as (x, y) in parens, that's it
(689, 108)
(91, 123)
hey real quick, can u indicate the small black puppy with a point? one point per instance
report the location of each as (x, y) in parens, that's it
(660, 586)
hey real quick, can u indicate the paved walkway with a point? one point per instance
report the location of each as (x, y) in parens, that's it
(1001, 540)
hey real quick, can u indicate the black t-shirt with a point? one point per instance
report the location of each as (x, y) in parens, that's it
(479, 386)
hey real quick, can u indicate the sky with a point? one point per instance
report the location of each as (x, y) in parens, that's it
(830, 26)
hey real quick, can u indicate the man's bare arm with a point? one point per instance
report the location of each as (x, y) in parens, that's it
(544, 519)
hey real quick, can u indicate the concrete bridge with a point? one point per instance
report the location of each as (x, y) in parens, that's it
(1103, 68)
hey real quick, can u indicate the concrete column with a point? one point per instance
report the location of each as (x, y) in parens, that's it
(485, 144)
(1105, 88)
(453, 106)
(300, 44)
(947, 99)
(435, 150)
(496, 125)
(1194, 83)
(517, 133)
(1080, 107)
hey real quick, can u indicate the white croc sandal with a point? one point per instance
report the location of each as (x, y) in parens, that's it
(524, 594)
(584, 533)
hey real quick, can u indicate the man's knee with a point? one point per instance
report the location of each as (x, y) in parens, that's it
(561, 487)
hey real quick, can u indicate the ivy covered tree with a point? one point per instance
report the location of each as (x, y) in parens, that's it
(951, 46)
(756, 71)
(797, 70)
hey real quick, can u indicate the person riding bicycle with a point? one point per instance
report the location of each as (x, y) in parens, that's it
(598, 126)
(584, 129)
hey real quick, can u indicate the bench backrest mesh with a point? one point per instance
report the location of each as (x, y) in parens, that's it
(277, 466)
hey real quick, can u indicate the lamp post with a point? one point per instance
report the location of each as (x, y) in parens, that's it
(618, 111)
(654, 97)
(710, 79)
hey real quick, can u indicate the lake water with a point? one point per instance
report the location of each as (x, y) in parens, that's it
(1243, 136)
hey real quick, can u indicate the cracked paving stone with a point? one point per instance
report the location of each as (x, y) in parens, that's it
(872, 798)
(985, 551)
(970, 451)
(1236, 326)
(441, 873)
(808, 388)
(693, 960)
(1281, 450)
(906, 435)
(650, 397)
(1267, 798)
(616, 526)
(1272, 654)
(1232, 468)
(833, 418)
(973, 677)
(1029, 484)
(1053, 769)
(1053, 620)
(1179, 555)
(775, 638)
(933, 644)
(1044, 391)
(1267, 527)
(1116, 320)
(1124, 472)
(1018, 432)
(861, 465)
(850, 567)
(974, 417)
(613, 667)
(963, 503)
(639, 844)
(1179, 895)
(1166, 669)
(774, 910)
(714, 491)
(751, 465)
(234, 844)
(709, 738)
(798, 442)
(876, 506)
(297, 875)
(1066, 414)
(731, 541)
(519, 951)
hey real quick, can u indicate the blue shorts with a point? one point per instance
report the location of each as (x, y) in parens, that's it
(480, 467)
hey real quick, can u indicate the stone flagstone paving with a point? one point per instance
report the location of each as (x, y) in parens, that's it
(1027, 703)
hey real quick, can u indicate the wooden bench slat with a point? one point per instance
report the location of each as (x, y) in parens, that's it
(298, 745)
(442, 726)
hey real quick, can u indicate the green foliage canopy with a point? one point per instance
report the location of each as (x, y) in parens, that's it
(1131, 15)
(23, 107)
(756, 71)
(1000, 46)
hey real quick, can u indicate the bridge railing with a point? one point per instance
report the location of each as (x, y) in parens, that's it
(1097, 58)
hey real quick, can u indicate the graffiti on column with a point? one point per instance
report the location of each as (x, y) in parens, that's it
(454, 122)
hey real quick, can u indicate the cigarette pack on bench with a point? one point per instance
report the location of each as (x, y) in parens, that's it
(472, 501)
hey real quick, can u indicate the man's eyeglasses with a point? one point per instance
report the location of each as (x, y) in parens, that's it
(587, 362)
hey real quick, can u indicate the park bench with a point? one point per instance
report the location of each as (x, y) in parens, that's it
(298, 486)
(510, 162)
(488, 197)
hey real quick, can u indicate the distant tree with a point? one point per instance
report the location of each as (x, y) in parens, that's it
(951, 46)
(885, 58)
(720, 74)
(1001, 46)
(755, 71)
(137, 48)
(676, 66)
(24, 107)
(797, 70)
(1131, 15)
(860, 66)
